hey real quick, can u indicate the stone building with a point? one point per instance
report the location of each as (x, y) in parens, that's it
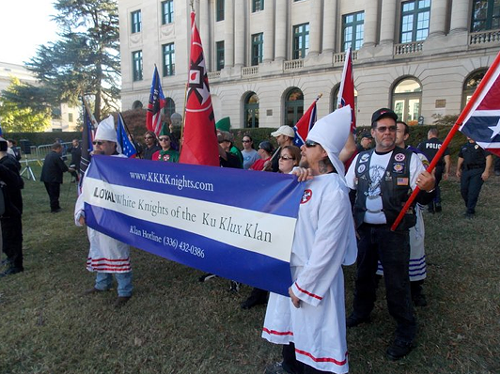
(267, 60)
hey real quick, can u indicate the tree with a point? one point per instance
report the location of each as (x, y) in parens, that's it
(85, 60)
(21, 119)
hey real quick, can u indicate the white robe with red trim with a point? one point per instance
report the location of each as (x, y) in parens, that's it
(106, 255)
(324, 240)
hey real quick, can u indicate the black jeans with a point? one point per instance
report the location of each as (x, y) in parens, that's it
(54, 190)
(378, 242)
(291, 365)
(12, 240)
(470, 187)
(438, 174)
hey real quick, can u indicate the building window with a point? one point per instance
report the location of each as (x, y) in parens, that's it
(485, 15)
(70, 117)
(167, 12)
(137, 66)
(353, 31)
(407, 99)
(300, 41)
(219, 11)
(219, 55)
(471, 84)
(168, 59)
(257, 48)
(169, 108)
(136, 21)
(257, 5)
(252, 110)
(294, 106)
(415, 18)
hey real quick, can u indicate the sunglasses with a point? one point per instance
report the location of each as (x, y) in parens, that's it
(246, 141)
(98, 143)
(310, 144)
(149, 137)
(384, 128)
(163, 139)
(286, 158)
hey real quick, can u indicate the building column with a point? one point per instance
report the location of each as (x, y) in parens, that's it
(315, 28)
(371, 23)
(229, 34)
(329, 26)
(281, 29)
(388, 21)
(438, 17)
(459, 15)
(205, 33)
(239, 31)
(268, 31)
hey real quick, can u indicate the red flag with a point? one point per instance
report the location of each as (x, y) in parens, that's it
(346, 90)
(156, 103)
(482, 121)
(305, 123)
(200, 145)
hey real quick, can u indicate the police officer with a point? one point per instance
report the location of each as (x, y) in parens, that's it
(473, 168)
(429, 148)
(382, 180)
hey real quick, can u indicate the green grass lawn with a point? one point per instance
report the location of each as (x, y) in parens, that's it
(174, 324)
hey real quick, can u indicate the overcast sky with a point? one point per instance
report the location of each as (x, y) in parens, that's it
(24, 25)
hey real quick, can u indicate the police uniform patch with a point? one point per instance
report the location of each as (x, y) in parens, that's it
(364, 157)
(306, 196)
(400, 157)
(361, 168)
(398, 167)
(402, 181)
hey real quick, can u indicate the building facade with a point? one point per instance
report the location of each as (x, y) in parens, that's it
(267, 60)
(66, 118)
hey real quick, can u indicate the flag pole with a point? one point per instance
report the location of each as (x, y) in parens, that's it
(91, 114)
(184, 116)
(450, 135)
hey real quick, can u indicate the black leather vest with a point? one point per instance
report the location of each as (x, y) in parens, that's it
(395, 188)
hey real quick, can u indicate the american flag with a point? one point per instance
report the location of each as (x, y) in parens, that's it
(156, 103)
(126, 146)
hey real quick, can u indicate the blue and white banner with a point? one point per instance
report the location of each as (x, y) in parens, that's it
(235, 223)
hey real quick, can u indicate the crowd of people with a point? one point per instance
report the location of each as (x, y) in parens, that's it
(345, 216)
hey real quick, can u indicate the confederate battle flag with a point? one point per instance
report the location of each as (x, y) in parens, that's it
(482, 121)
(200, 145)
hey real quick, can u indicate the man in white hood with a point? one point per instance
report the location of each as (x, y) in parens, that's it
(311, 323)
(107, 256)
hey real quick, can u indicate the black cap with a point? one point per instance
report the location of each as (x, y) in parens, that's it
(382, 113)
(266, 146)
(366, 134)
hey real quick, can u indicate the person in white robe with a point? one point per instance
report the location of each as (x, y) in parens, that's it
(107, 256)
(310, 324)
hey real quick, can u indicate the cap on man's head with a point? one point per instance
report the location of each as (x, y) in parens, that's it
(383, 113)
(366, 134)
(3, 145)
(284, 130)
(165, 130)
(266, 146)
(106, 130)
(225, 136)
